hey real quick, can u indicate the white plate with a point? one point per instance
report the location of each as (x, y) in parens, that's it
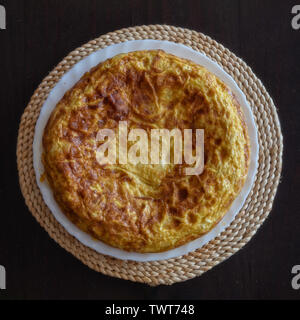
(72, 77)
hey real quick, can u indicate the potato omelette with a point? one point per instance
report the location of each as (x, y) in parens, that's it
(146, 207)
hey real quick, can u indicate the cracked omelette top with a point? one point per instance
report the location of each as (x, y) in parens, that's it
(145, 208)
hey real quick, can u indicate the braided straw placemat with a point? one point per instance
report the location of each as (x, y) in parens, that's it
(258, 203)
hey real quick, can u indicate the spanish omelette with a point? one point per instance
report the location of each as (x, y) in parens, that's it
(154, 207)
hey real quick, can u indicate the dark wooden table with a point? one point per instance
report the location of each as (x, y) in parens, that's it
(39, 34)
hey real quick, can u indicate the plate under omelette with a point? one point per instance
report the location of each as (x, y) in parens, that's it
(146, 208)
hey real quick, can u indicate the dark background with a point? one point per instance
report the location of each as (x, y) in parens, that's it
(39, 34)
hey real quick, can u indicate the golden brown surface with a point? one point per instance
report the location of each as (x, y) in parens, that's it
(145, 208)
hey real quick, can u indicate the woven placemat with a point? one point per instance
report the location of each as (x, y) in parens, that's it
(248, 220)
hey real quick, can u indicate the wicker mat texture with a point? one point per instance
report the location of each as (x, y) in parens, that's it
(249, 219)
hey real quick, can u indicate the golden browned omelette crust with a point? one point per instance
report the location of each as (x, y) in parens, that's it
(145, 208)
